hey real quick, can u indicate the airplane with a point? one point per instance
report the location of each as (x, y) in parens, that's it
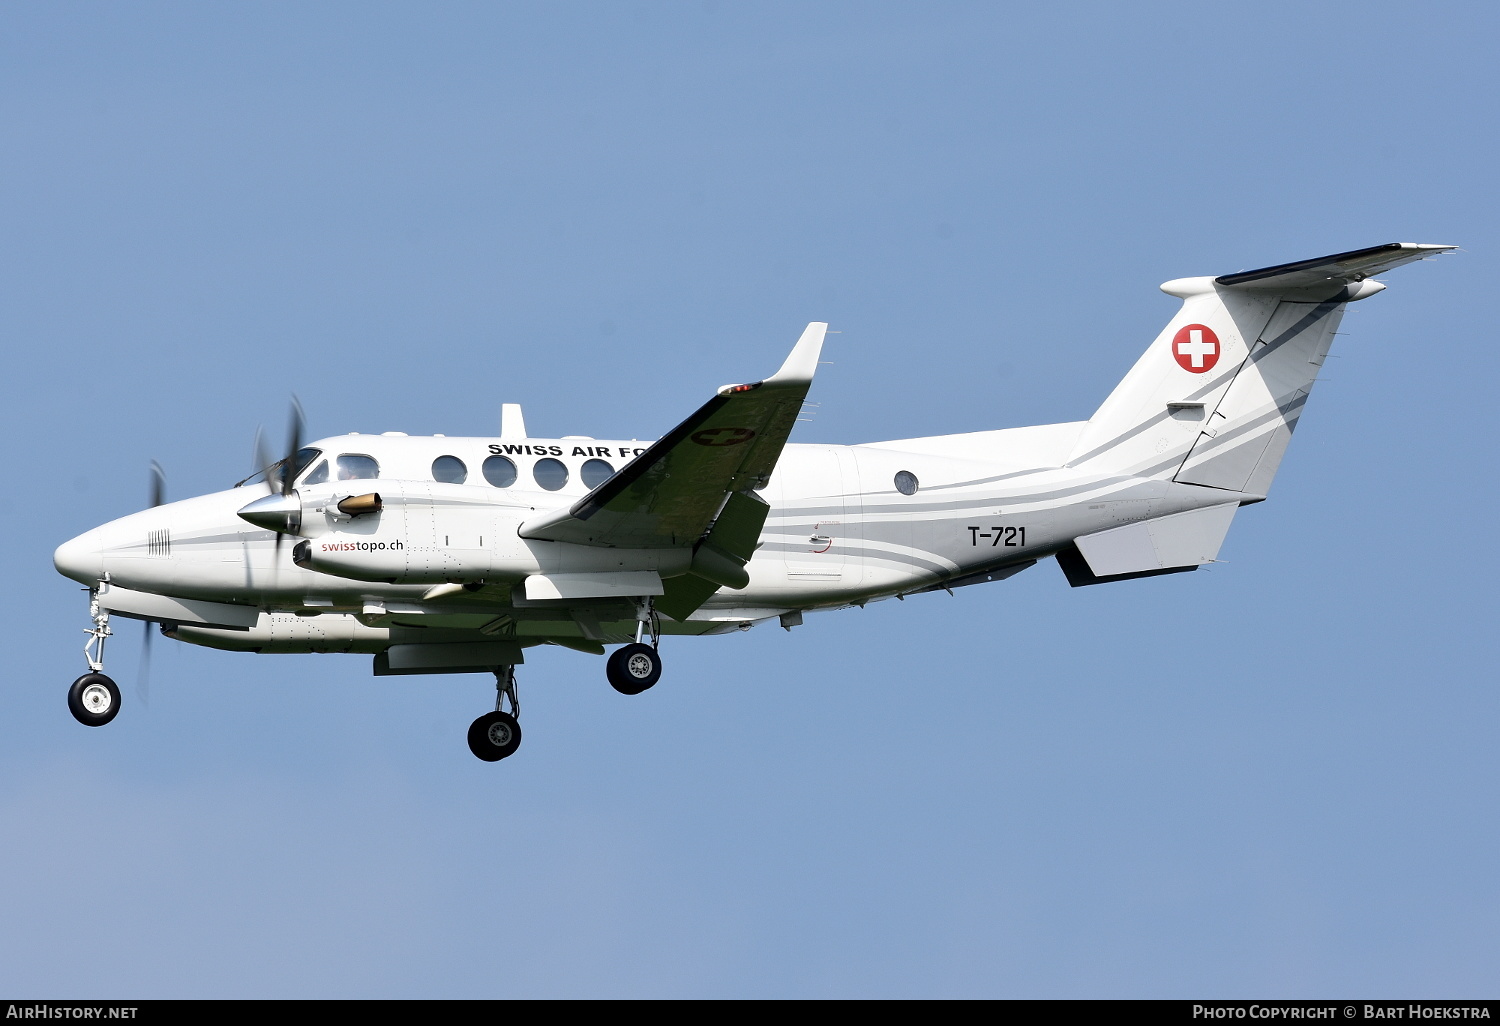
(457, 555)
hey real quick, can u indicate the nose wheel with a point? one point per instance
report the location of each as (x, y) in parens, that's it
(496, 735)
(93, 699)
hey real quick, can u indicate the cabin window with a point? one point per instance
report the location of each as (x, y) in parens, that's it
(356, 467)
(319, 474)
(499, 471)
(906, 482)
(449, 470)
(550, 474)
(595, 473)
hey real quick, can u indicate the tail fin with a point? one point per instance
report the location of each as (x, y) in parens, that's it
(1214, 400)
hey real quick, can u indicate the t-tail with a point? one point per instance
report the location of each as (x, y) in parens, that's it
(1215, 399)
(1213, 403)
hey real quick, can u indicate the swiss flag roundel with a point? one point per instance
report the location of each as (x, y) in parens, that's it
(1196, 348)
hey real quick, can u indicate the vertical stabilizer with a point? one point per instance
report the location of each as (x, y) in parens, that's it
(1215, 398)
(1156, 413)
(1242, 441)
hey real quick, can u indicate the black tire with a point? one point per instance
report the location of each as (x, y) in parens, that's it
(494, 736)
(633, 668)
(93, 700)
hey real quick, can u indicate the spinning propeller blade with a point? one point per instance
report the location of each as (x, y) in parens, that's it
(158, 484)
(293, 446)
(287, 474)
(261, 459)
(143, 673)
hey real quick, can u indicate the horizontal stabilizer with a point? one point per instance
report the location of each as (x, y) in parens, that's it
(1182, 541)
(1337, 269)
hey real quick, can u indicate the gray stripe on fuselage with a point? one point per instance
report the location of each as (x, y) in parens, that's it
(972, 503)
(1159, 418)
(1278, 412)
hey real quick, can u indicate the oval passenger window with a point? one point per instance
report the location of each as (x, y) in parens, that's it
(354, 467)
(499, 471)
(449, 470)
(551, 474)
(595, 473)
(906, 482)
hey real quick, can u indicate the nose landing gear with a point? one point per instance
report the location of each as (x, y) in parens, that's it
(94, 699)
(497, 735)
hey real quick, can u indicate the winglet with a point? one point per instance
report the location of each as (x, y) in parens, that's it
(802, 362)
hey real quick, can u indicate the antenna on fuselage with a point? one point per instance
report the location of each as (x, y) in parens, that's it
(512, 423)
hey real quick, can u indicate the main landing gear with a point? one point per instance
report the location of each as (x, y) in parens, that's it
(94, 699)
(497, 735)
(631, 669)
(635, 667)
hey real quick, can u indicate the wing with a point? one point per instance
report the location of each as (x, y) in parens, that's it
(668, 496)
(1338, 269)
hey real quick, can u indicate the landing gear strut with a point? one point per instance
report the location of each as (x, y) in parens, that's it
(496, 735)
(94, 699)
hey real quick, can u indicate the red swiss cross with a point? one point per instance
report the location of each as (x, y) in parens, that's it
(1196, 348)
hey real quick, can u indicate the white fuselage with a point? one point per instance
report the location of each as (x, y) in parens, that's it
(839, 530)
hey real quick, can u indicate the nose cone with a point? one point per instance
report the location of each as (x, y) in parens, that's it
(82, 559)
(280, 513)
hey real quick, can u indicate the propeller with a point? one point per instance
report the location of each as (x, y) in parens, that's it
(280, 511)
(143, 672)
(260, 459)
(158, 491)
(288, 476)
(285, 474)
(158, 485)
(271, 470)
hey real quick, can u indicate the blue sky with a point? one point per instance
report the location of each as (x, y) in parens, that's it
(1274, 777)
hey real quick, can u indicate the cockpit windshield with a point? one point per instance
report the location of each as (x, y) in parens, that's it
(303, 460)
(272, 474)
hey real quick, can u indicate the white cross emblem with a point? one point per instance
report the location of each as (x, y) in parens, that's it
(1196, 348)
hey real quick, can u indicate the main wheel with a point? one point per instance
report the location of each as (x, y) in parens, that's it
(633, 668)
(494, 736)
(93, 699)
